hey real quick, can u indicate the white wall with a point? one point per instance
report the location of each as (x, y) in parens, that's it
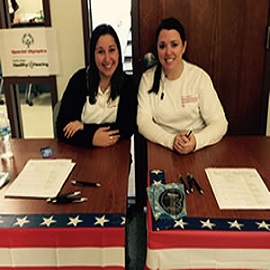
(117, 14)
(66, 17)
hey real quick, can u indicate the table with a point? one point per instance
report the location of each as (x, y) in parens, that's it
(208, 238)
(88, 235)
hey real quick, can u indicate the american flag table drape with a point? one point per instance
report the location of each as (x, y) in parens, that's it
(62, 241)
(207, 243)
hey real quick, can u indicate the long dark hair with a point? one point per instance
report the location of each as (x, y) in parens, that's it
(168, 24)
(92, 73)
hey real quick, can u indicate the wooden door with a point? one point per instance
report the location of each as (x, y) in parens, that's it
(228, 39)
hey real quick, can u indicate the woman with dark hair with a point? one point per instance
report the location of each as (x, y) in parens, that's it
(176, 97)
(99, 105)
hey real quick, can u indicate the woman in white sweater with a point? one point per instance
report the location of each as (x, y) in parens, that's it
(176, 96)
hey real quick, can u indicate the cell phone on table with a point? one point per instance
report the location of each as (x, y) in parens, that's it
(47, 152)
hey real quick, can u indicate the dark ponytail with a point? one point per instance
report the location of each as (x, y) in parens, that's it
(156, 81)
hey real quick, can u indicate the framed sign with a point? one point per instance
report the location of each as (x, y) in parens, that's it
(29, 52)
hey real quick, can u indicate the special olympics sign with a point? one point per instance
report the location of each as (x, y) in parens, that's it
(29, 52)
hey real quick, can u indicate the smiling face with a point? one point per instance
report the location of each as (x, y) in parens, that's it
(170, 50)
(106, 56)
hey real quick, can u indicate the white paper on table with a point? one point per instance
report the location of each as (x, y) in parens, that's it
(41, 178)
(238, 188)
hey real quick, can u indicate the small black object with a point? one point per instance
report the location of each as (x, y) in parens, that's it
(184, 184)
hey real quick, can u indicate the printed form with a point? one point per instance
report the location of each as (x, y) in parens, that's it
(41, 178)
(238, 188)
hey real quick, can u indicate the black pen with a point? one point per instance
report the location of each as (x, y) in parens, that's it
(190, 182)
(189, 133)
(196, 184)
(65, 195)
(162, 96)
(69, 200)
(88, 184)
(184, 184)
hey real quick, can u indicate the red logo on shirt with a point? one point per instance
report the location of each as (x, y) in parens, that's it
(188, 99)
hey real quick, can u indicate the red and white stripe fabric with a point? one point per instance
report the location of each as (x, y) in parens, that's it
(72, 248)
(191, 249)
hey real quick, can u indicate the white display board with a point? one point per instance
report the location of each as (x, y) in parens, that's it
(29, 52)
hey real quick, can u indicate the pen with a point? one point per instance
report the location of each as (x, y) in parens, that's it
(4, 178)
(184, 184)
(88, 184)
(68, 200)
(196, 184)
(190, 183)
(162, 96)
(63, 196)
(189, 133)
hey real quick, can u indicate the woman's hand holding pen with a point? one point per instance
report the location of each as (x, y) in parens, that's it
(72, 127)
(184, 144)
(105, 137)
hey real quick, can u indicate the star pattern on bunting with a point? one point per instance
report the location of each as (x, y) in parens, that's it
(157, 182)
(263, 225)
(156, 171)
(180, 223)
(215, 224)
(74, 221)
(235, 224)
(101, 221)
(21, 221)
(207, 224)
(123, 221)
(48, 221)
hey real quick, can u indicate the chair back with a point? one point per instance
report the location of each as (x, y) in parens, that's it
(55, 114)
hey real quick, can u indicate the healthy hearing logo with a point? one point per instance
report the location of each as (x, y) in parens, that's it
(28, 40)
